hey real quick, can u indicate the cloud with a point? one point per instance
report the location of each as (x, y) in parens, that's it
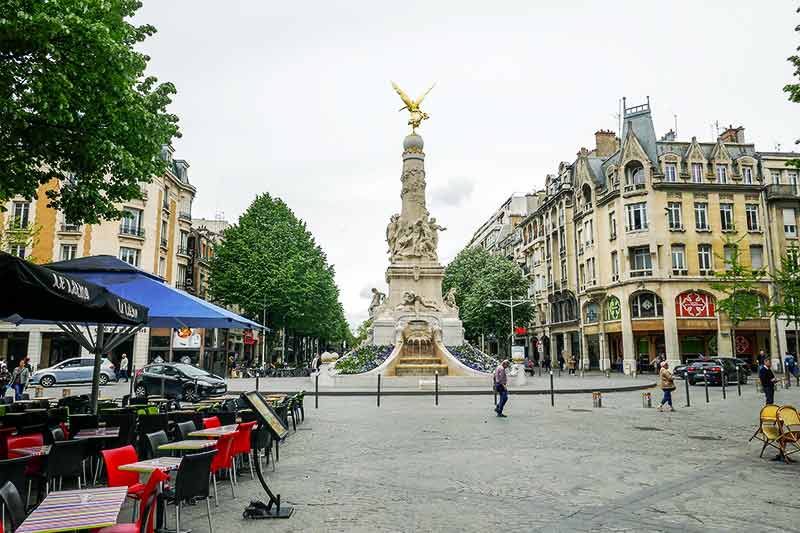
(455, 192)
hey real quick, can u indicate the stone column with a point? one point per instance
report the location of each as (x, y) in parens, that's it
(584, 363)
(553, 350)
(671, 342)
(724, 341)
(628, 347)
(35, 347)
(141, 344)
(605, 363)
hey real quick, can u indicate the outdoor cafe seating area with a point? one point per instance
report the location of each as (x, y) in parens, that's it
(65, 469)
(779, 428)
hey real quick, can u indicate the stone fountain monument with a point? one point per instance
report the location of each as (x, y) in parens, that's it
(415, 316)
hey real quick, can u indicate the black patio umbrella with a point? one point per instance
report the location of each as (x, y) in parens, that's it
(36, 294)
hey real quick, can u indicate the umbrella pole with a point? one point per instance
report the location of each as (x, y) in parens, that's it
(98, 355)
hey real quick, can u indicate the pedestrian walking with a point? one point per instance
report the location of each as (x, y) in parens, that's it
(500, 380)
(123, 367)
(5, 379)
(790, 365)
(20, 378)
(546, 364)
(561, 362)
(768, 380)
(761, 357)
(667, 385)
(571, 365)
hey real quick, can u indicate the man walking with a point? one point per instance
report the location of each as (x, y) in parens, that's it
(20, 378)
(500, 380)
(123, 367)
(768, 380)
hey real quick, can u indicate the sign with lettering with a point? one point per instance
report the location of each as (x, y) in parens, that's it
(70, 286)
(694, 305)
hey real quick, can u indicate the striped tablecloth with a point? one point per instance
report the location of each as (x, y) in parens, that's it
(98, 433)
(32, 451)
(73, 510)
(165, 464)
(215, 432)
(195, 444)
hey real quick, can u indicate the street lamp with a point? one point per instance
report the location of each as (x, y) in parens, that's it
(511, 303)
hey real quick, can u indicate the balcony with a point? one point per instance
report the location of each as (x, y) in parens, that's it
(782, 192)
(130, 231)
(70, 228)
(185, 215)
(164, 243)
(641, 273)
(165, 205)
(183, 250)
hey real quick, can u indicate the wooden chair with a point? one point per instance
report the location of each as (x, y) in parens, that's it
(789, 421)
(768, 430)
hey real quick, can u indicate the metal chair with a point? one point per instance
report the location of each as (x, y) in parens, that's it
(191, 484)
(184, 428)
(13, 470)
(65, 460)
(154, 440)
(12, 505)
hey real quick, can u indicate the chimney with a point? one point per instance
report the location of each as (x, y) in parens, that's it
(669, 136)
(606, 143)
(733, 135)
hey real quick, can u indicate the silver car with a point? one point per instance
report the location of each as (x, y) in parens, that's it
(75, 370)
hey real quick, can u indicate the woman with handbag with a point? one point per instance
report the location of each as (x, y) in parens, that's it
(667, 386)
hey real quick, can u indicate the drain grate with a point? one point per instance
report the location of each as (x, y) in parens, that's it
(581, 410)
(647, 428)
(704, 437)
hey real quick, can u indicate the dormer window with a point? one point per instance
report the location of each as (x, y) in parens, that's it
(747, 175)
(634, 175)
(697, 172)
(671, 172)
(722, 173)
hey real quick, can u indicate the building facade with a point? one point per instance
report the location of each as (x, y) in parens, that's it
(622, 244)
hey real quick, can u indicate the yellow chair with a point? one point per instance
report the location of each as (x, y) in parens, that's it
(768, 430)
(789, 421)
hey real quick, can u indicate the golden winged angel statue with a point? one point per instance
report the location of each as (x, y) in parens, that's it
(416, 115)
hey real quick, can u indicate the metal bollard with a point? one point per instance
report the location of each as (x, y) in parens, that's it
(739, 380)
(379, 390)
(686, 382)
(552, 393)
(597, 400)
(705, 381)
(723, 380)
(316, 391)
(647, 400)
(436, 388)
(494, 390)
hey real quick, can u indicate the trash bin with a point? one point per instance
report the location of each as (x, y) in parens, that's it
(647, 400)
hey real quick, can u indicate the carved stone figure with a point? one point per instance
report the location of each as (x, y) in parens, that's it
(450, 299)
(434, 230)
(391, 233)
(416, 115)
(377, 300)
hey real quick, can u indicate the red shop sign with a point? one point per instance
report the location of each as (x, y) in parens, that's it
(694, 305)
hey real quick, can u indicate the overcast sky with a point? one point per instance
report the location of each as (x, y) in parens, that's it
(293, 98)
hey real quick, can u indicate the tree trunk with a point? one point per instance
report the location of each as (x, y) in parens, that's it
(733, 341)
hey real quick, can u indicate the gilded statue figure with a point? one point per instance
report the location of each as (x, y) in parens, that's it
(416, 115)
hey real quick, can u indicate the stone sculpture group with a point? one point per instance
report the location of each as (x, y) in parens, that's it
(418, 239)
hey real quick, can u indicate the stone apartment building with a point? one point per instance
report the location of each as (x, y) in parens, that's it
(621, 244)
(154, 236)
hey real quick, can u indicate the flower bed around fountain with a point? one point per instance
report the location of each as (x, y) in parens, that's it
(473, 357)
(363, 359)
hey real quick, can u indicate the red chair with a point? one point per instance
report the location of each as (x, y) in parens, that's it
(242, 442)
(211, 422)
(113, 459)
(147, 508)
(35, 465)
(223, 460)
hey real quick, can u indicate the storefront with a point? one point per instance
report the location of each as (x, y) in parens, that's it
(695, 313)
(13, 347)
(57, 347)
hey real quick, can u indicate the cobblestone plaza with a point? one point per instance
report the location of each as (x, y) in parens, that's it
(409, 465)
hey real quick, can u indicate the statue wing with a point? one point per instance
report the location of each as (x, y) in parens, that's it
(403, 96)
(421, 98)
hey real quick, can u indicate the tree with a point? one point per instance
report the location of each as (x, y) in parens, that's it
(787, 291)
(739, 284)
(479, 277)
(361, 333)
(270, 260)
(14, 234)
(793, 89)
(75, 105)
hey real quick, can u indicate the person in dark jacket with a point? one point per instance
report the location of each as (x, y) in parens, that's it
(768, 380)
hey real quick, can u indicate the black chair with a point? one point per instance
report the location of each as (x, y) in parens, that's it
(261, 441)
(79, 422)
(65, 460)
(226, 418)
(57, 435)
(149, 424)
(184, 428)
(12, 505)
(191, 484)
(126, 422)
(13, 470)
(154, 440)
(57, 415)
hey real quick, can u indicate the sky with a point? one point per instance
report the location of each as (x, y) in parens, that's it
(294, 99)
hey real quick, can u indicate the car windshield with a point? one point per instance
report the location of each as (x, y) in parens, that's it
(192, 371)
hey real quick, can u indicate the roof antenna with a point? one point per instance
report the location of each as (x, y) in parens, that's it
(676, 125)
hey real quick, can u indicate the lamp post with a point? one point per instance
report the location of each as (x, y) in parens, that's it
(511, 303)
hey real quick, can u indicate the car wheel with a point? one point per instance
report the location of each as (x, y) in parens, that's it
(47, 381)
(189, 394)
(103, 379)
(140, 391)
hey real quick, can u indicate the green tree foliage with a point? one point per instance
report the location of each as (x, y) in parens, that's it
(75, 105)
(793, 89)
(786, 304)
(269, 259)
(361, 332)
(740, 285)
(14, 233)
(479, 277)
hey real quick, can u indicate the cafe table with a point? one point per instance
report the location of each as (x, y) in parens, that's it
(74, 510)
(190, 445)
(98, 433)
(31, 451)
(165, 464)
(219, 431)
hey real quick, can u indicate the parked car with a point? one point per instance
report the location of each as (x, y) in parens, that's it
(74, 370)
(680, 370)
(713, 369)
(181, 381)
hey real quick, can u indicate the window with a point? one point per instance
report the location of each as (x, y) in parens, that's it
(789, 222)
(747, 175)
(793, 180)
(69, 252)
(164, 231)
(18, 250)
(184, 246)
(728, 252)
(641, 264)
(131, 222)
(592, 313)
(634, 175)
(704, 259)
(612, 308)
(646, 305)
(722, 173)
(679, 260)
(756, 257)
(697, 172)
(162, 267)
(564, 270)
(129, 255)
(671, 172)
(776, 177)
(612, 225)
(20, 214)
(582, 271)
(614, 266)
(580, 241)
(726, 216)
(674, 219)
(181, 276)
(562, 241)
(701, 215)
(751, 211)
(588, 231)
(591, 270)
(637, 216)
